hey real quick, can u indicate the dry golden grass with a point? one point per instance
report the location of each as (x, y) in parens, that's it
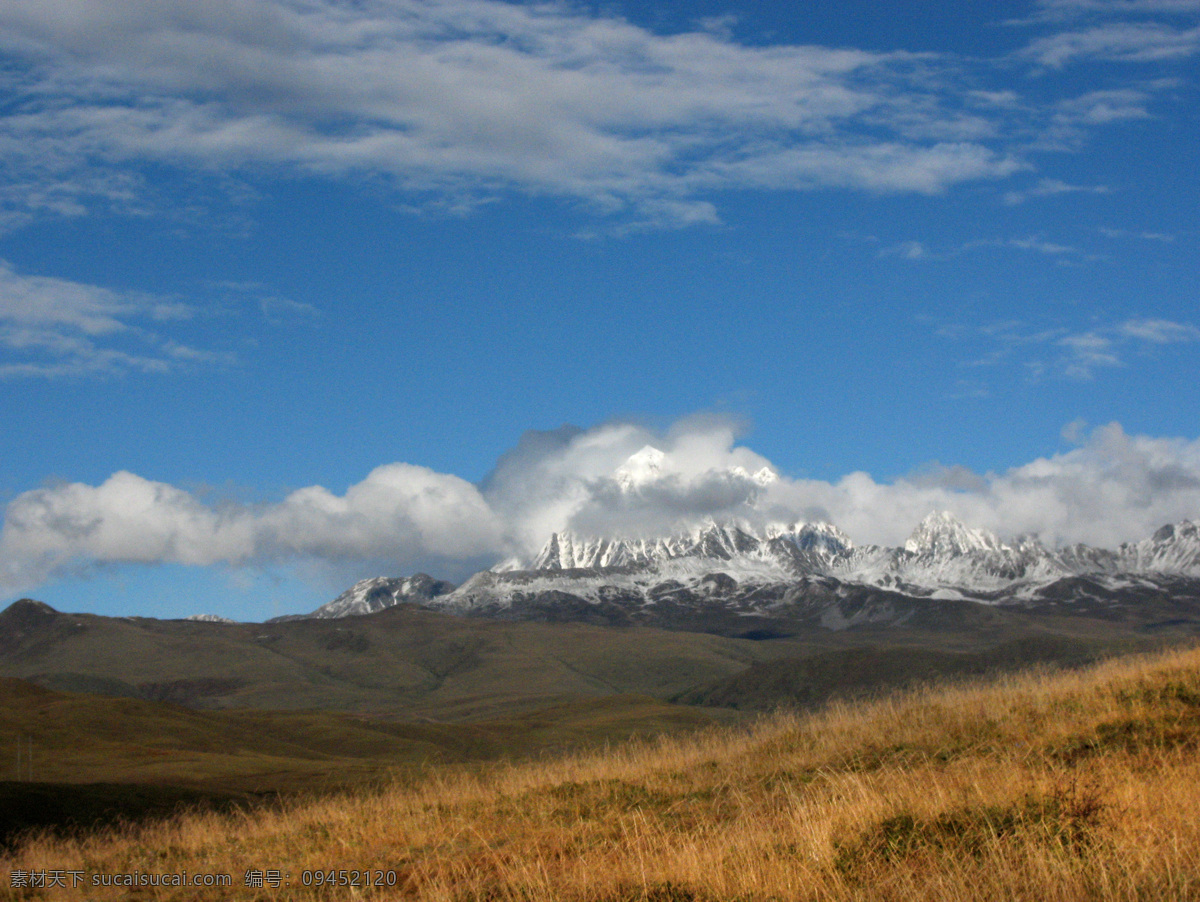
(1043, 786)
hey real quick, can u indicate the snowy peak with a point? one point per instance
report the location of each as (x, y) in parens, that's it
(794, 547)
(567, 551)
(370, 595)
(651, 464)
(941, 534)
(819, 536)
(1174, 548)
(642, 467)
(764, 476)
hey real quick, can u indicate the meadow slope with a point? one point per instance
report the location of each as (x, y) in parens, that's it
(1038, 786)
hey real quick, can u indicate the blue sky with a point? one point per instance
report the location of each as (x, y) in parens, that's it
(904, 255)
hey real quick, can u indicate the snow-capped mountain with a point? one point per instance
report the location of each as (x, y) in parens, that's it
(941, 552)
(651, 464)
(743, 569)
(370, 595)
(1173, 549)
(792, 547)
(940, 534)
(754, 569)
(641, 468)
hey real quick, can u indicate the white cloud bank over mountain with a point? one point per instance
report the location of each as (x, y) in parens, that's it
(613, 479)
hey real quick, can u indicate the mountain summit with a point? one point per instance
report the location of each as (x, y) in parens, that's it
(942, 534)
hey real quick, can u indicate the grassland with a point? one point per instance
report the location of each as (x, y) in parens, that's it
(88, 759)
(410, 663)
(404, 661)
(1040, 786)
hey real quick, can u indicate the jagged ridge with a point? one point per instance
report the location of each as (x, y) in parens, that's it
(749, 569)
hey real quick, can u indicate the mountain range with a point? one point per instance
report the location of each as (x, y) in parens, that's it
(810, 571)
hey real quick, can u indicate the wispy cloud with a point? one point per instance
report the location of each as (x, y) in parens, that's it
(54, 327)
(467, 99)
(1038, 244)
(1086, 352)
(1111, 346)
(907, 250)
(1157, 331)
(1125, 31)
(1058, 9)
(1073, 354)
(1134, 42)
(1145, 236)
(1051, 188)
(918, 250)
(1125, 42)
(51, 327)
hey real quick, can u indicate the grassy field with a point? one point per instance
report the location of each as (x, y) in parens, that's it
(89, 759)
(1041, 786)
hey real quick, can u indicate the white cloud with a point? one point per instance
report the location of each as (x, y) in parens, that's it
(462, 97)
(907, 250)
(1114, 488)
(917, 250)
(1079, 354)
(55, 327)
(1086, 352)
(402, 514)
(1109, 346)
(1051, 188)
(1158, 331)
(1035, 243)
(458, 101)
(1145, 236)
(51, 327)
(1070, 8)
(1128, 42)
(1111, 488)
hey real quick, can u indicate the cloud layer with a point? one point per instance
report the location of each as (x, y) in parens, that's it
(466, 98)
(1111, 488)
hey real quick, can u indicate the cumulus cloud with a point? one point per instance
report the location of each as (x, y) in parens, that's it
(1114, 488)
(571, 479)
(405, 515)
(1110, 488)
